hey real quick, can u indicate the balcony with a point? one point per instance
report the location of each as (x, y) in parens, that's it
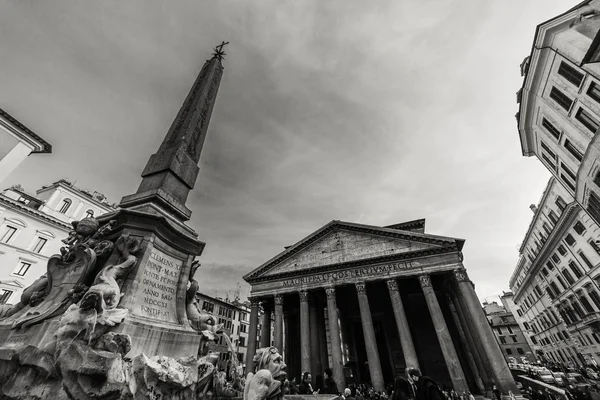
(591, 320)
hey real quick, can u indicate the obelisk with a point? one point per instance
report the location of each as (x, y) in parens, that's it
(155, 290)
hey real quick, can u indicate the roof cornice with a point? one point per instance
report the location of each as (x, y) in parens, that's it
(34, 213)
(39, 144)
(545, 194)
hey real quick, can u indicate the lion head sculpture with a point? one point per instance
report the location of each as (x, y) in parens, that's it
(270, 359)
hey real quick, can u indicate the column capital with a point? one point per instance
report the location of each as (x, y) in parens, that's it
(330, 291)
(303, 295)
(425, 281)
(278, 299)
(392, 285)
(361, 287)
(460, 275)
(254, 302)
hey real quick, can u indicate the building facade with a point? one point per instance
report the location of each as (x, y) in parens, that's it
(338, 297)
(555, 283)
(559, 102)
(508, 333)
(235, 317)
(17, 142)
(31, 230)
(508, 302)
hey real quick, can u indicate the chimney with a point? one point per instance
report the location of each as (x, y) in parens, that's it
(533, 208)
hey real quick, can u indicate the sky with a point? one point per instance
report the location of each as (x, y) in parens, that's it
(369, 112)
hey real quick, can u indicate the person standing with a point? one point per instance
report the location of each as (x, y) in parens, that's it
(402, 389)
(426, 388)
(305, 386)
(329, 385)
(496, 392)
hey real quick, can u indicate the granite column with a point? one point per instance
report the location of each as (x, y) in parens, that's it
(265, 331)
(278, 331)
(370, 341)
(408, 347)
(335, 339)
(322, 336)
(459, 382)
(315, 357)
(305, 360)
(252, 333)
(501, 374)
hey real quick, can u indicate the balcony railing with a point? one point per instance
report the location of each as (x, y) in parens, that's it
(591, 320)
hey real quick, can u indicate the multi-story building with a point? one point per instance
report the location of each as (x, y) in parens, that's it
(556, 280)
(32, 227)
(508, 333)
(508, 302)
(235, 317)
(17, 142)
(559, 102)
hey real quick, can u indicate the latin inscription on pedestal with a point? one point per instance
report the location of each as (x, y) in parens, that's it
(158, 289)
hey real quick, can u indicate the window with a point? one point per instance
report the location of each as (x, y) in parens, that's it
(550, 293)
(549, 265)
(22, 269)
(575, 269)
(555, 258)
(579, 228)
(508, 351)
(560, 280)
(587, 120)
(569, 172)
(561, 99)
(9, 232)
(499, 330)
(562, 250)
(569, 239)
(544, 272)
(89, 214)
(550, 128)
(5, 295)
(568, 276)
(586, 261)
(526, 325)
(594, 92)
(519, 312)
(243, 328)
(242, 341)
(573, 150)
(502, 340)
(534, 340)
(570, 74)
(546, 228)
(560, 203)
(514, 339)
(66, 203)
(548, 155)
(39, 244)
(552, 217)
(208, 306)
(594, 245)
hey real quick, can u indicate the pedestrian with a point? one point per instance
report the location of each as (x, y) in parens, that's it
(511, 395)
(427, 389)
(496, 392)
(348, 394)
(329, 385)
(402, 389)
(305, 386)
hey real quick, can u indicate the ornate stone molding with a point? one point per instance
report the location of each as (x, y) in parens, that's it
(392, 285)
(278, 299)
(460, 275)
(361, 288)
(330, 291)
(425, 281)
(254, 302)
(303, 295)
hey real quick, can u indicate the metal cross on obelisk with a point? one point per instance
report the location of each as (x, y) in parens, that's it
(219, 53)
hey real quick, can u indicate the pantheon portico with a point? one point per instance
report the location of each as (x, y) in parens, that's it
(370, 301)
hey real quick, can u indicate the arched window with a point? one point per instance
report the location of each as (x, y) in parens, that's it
(66, 203)
(89, 213)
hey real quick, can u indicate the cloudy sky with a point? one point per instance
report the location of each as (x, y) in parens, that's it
(374, 112)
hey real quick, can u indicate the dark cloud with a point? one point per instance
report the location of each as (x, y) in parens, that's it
(367, 112)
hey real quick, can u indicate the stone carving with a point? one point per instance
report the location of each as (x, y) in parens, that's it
(271, 372)
(425, 281)
(392, 285)
(98, 306)
(361, 288)
(461, 275)
(203, 323)
(278, 300)
(303, 295)
(30, 296)
(330, 293)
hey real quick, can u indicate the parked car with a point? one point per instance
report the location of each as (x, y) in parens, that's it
(545, 376)
(592, 374)
(577, 380)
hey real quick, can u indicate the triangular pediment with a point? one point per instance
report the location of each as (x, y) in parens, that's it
(339, 243)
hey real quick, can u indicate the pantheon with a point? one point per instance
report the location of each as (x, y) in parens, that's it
(369, 302)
